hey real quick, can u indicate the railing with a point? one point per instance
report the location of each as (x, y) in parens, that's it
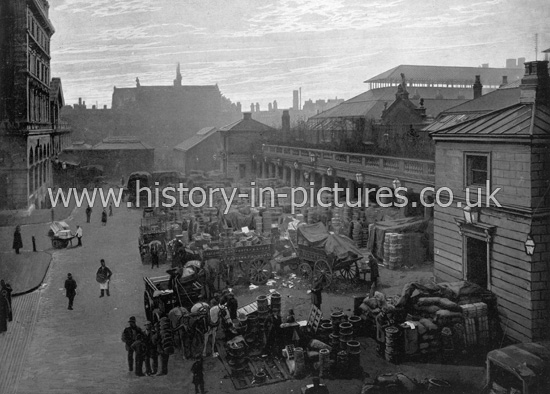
(421, 171)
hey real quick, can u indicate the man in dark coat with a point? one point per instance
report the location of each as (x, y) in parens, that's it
(198, 376)
(140, 349)
(4, 311)
(154, 256)
(104, 217)
(88, 214)
(7, 287)
(316, 293)
(17, 240)
(232, 305)
(129, 336)
(70, 290)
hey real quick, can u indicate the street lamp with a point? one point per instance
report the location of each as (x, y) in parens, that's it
(330, 171)
(359, 177)
(529, 245)
(471, 215)
(396, 183)
(306, 175)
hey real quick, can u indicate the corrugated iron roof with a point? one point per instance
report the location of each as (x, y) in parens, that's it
(196, 139)
(516, 120)
(442, 74)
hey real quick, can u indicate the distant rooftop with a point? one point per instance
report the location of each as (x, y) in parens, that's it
(121, 142)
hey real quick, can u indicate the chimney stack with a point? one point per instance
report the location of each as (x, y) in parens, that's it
(521, 62)
(511, 63)
(535, 85)
(477, 87)
(80, 101)
(286, 125)
(252, 107)
(247, 115)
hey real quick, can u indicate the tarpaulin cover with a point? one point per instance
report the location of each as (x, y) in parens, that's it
(237, 220)
(378, 230)
(528, 360)
(315, 234)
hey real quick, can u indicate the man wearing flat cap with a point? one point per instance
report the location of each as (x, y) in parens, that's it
(129, 336)
(70, 290)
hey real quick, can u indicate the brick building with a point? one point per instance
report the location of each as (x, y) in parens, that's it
(500, 140)
(241, 141)
(199, 152)
(31, 134)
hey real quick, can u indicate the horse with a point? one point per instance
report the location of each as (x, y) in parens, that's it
(210, 322)
(181, 322)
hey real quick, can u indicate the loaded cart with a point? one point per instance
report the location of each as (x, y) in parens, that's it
(152, 235)
(322, 254)
(60, 234)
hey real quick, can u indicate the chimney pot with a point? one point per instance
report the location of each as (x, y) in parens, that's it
(478, 87)
(535, 85)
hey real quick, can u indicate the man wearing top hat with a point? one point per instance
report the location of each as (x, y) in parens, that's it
(70, 290)
(129, 336)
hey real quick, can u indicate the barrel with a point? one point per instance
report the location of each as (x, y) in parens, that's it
(263, 306)
(324, 363)
(354, 354)
(275, 302)
(345, 327)
(336, 318)
(354, 347)
(393, 346)
(300, 362)
(342, 362)
(324, 331)
(252, 322)
(356, 323)
(334, 341)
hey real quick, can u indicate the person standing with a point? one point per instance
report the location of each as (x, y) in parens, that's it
(150, 368)
(111, 209)
(79, 235)
(7, 287)
(198, 376)
(129, 336)
(17, 239)
(316, 293)
(104, 217)
(164, 355)
(374, 273)
(232, 305)
(70, 290)
(140, 349)
(103, 277)
(88, 213)
(154, 256)
(4, 311)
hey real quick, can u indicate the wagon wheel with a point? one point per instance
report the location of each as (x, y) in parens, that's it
(306, 273)
(293, 265)
(349, 272)
(259, 271)
(57, 244)
(148, 306)
(323, 272)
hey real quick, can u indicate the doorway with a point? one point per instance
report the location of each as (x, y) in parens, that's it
(476, 261)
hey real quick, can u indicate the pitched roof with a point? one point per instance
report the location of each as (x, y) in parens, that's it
(519, 120)
(79, 145)
(370, 104)
(121, 143)
(466, 75)
(196, 139)
(247, 124)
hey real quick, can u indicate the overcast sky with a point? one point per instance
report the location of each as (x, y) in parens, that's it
(261, 50)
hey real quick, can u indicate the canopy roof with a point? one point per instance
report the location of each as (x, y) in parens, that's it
(317, 235)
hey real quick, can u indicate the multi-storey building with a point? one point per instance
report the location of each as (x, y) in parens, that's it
(31, 134)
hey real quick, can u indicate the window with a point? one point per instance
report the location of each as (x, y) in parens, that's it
(477, 169)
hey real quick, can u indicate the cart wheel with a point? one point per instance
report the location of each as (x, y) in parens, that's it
(259, 271)
(147, 305)
(57, 244)
(323, 272)
(348, 273)
(306, 273)
(293, 265)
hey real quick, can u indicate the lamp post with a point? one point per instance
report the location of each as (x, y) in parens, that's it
(529, 245)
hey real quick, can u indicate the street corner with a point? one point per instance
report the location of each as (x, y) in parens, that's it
(24, 271)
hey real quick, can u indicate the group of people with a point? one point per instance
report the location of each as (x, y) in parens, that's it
(6, 311)
(144, 347)
(103, 214)
(103, 277)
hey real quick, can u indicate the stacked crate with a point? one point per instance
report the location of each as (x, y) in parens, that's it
(476, 324)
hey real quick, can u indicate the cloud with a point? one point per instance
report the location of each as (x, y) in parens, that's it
(103, 8)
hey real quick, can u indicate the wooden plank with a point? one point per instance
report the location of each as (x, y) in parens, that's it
(282, 369)
(511, 288)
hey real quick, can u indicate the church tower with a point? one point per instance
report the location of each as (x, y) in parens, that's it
(177, 81)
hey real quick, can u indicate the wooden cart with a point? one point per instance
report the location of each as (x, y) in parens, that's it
(60, 235)
(316, 263)
(152, 233)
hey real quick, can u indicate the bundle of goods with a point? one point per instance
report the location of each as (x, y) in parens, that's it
(476, 324)
(403, 249)
(370, 308)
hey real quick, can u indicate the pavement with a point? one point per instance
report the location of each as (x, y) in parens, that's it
(50, 349)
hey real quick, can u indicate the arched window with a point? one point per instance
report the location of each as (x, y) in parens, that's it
(31, 157)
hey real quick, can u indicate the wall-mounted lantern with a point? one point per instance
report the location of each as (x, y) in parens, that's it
(471, 215)
(396, 183)
(278, 162)
(306, 175)
(296, 165)
(330, 171)
(529, 245)
(359, 177)
(312, 157)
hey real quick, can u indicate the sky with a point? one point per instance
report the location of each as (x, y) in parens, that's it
(262, 50)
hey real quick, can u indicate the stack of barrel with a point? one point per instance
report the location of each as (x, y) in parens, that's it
(167, 340)
(324, 363)
(335, 318)
(393, 344)
(236, 358)
(325, 329)
(346, 334)
(354, 358)
(252, 335)
(263, 311)
(356, 323)
(276, 303)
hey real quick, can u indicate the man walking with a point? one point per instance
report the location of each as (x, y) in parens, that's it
(103, 277)
(129, 336)
(88, 214)
(79, 235)
(70, 290)
(7, 287)
(104, 217)
(198, 376)
(17, 240)
(154, 256)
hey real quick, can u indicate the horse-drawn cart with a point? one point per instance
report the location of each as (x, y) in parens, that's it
(152, 238)
(322, 254)
(60, 235)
